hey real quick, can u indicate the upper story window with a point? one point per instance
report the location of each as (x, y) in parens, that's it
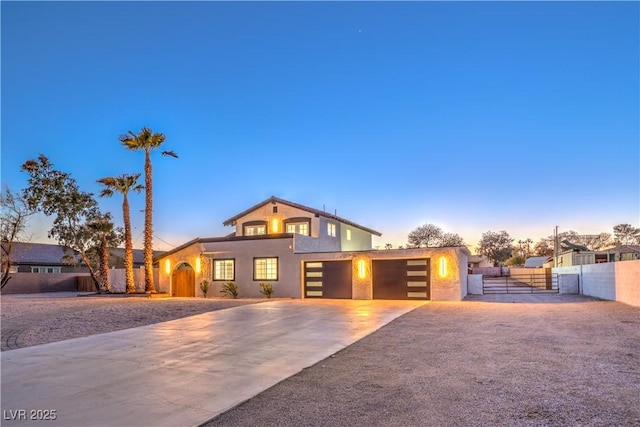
(254, 228)
(298, 225)
(348, 234)
(298, 228)
(331, 229)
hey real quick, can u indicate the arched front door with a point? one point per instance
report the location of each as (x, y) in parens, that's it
(183, 281)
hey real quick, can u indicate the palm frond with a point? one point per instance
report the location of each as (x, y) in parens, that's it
(170, 153)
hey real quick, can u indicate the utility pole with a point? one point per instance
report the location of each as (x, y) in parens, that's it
(555, 247)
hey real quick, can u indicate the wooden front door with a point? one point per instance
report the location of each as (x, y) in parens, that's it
(183, 283)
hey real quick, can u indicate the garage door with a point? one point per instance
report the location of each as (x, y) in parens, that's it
(327, 279)
(401, 279)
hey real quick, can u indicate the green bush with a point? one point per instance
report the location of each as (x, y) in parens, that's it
(204, 287)
(266, 289)
(229, 289)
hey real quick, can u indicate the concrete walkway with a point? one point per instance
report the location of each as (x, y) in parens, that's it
(182, 372)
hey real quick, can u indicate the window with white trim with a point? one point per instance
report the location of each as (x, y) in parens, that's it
(331, 229)
(265, 268)
(255, 230)
(298, 228)
(348, 234)
(223, 269)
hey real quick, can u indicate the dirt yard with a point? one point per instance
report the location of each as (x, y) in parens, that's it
(33, 319)
(500, 360)
(543, 361)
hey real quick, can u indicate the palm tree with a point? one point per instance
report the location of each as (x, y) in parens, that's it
(123, 184)
(105, 235)
(147, 141)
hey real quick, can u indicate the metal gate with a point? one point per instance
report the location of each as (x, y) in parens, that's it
(521, 284)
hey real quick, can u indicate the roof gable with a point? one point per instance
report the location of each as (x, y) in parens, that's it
(317, 212)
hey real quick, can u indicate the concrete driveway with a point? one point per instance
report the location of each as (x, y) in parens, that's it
(182, 372)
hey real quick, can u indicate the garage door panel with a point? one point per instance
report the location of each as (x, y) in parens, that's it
(328, 279)
(401, 279)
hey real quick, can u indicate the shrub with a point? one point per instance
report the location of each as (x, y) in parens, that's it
(229, 289)
(204, 287)
(266, 289)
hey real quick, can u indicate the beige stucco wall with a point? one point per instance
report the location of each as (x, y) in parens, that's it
(265, 212)
(452, 286)
(447, 285)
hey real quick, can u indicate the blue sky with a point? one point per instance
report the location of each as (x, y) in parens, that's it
(515, 116)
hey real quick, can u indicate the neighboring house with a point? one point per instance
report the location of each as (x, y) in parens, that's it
(536, 261)
(50, 258)
(479, 261)
(623, 253)
(575, 257)
(117, 258)
(309, 253)
(43, 258)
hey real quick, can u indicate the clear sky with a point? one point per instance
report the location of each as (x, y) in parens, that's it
(473, 116)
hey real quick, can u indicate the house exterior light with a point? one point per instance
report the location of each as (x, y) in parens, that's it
(275, 225)
(362, 272)
(167, 266)
(198, 265)
(443, 267)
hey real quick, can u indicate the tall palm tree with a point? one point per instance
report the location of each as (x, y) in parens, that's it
(147, 141)
(123, 184)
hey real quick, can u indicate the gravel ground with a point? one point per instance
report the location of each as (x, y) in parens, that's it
(551, 361)
(488, 361)
(29, 320)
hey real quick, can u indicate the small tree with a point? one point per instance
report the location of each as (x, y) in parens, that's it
(626, 234)
(108, 236)
(450, 239)
(497, 246)
(427, 235)
(13, 221)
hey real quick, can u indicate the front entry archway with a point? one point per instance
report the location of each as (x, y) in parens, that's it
(183, 281)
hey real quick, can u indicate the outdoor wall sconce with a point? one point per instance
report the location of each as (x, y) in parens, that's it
(361, 269)
(274, 225)
(443, 267)
(167, 266)
(198, 265)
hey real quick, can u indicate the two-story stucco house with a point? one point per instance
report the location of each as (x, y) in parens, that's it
(309, 253)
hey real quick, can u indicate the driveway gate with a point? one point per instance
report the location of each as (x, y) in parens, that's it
(521, 284)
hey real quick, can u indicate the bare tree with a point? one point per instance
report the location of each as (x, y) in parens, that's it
(13, 222)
